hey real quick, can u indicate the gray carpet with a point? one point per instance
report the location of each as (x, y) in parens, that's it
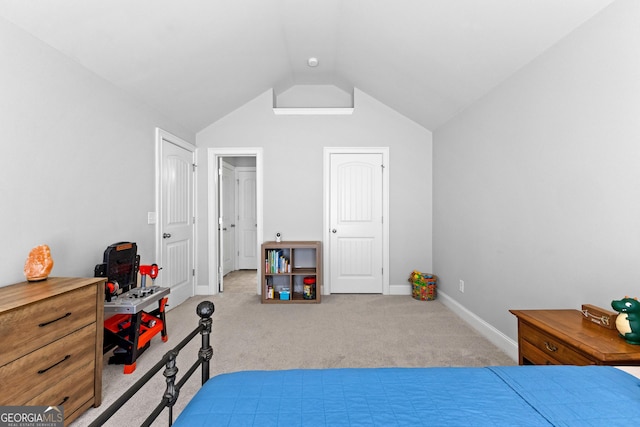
(241, 282)
(342, 331)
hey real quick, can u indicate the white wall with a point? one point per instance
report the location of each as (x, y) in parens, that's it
(536, 201)
(76, 164)
(293, 173)
(314, 96)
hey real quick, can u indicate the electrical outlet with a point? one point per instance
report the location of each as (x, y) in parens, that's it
(461, 286)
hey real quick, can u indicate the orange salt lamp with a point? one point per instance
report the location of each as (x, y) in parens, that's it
(38, 264)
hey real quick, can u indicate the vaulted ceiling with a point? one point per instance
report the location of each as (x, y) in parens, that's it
(198, 60)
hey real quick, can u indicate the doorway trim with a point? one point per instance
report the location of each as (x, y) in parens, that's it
(326, 189)
(213, 156)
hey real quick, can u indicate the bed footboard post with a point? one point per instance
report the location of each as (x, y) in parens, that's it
(205, 310)
(170, 373)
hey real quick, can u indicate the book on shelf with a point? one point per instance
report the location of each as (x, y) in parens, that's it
(276, 262)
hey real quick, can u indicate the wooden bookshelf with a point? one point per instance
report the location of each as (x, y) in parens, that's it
(292, 266)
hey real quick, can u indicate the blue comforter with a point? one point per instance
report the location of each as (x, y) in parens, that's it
(491, 396)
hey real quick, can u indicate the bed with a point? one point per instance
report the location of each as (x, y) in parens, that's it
(489, 396)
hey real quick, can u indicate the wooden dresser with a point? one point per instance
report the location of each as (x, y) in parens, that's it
(51, 351)
(564, 337)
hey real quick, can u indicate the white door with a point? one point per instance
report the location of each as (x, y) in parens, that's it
(355, 221)
(247, 219)
(227, 217)
(176, 222)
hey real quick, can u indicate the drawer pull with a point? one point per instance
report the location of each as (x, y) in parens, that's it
(63, 401)
(42, 371)
(550, 346)
(54, 320)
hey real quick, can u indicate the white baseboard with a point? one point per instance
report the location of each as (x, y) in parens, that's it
(499, 339)
(399, 289)
(204, 290)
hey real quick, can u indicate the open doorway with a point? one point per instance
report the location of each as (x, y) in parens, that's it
(235, 216)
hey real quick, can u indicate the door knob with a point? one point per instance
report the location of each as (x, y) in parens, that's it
(232, 225)
(224, 229)
(166, 235)
(334, 231)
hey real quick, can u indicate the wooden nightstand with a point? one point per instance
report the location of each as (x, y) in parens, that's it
(563, 337)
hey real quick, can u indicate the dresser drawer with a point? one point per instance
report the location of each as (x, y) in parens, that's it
(533, 355)
(545, 349)
(47, 367)
(72, 392)
(38, 324)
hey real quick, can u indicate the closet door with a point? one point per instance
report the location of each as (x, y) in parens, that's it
(247, 223)
(356, 228)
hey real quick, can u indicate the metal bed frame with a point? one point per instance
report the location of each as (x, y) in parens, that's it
(205, 310)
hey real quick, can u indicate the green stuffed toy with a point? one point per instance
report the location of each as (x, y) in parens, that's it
(628, 321)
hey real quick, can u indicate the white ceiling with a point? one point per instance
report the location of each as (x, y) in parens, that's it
(198, 60)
